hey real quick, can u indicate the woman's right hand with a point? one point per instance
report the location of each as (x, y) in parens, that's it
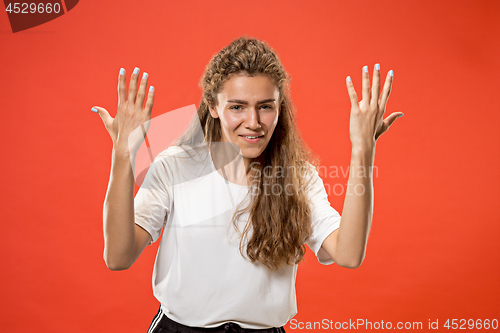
(130, 115)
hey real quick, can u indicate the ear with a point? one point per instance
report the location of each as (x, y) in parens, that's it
(213, 112)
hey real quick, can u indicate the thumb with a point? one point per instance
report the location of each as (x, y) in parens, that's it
(387, 122)
(392, 118)
(104, 114)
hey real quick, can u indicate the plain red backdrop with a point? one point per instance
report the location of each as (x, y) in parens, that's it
(433, 251)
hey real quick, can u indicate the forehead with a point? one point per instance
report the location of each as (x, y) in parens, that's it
(244, 87)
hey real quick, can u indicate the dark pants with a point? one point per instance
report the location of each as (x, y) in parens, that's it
(162, 324)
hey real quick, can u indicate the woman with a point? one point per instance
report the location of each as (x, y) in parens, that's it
(238, 198)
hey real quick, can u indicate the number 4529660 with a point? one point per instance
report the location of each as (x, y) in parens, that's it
(463, 324)
(27, 8)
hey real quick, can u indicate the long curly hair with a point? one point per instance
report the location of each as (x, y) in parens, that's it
(279, 222)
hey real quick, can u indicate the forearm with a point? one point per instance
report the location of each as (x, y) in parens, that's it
(118, 214)
(358, 208)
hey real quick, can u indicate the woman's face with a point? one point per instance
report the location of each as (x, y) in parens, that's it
(248, 109)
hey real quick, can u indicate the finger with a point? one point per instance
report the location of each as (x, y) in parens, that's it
(375, 85)
(387, 90)
(352, 93)
(387, 123)
(122, 86)
(132, 88)
(104, 114)
(366, 86)
(150, 101)
(142, 91)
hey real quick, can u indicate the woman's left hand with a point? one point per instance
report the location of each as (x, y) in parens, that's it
(367, 123)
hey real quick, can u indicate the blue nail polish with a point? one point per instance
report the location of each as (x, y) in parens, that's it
(94, 109)
(401, 115)
(136, 70)
(365, 69)
(348, 79)
(377, 67)
(391, 73)
(151, 88)
(122, 71)
(144, 75)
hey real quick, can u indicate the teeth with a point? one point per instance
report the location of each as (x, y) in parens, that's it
(250, 137)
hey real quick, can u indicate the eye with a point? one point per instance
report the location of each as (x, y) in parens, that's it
(236, 107)
(267, 107)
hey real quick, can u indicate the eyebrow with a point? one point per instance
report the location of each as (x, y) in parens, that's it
(239, 101)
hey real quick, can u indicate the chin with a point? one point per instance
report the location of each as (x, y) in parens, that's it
(250, 154)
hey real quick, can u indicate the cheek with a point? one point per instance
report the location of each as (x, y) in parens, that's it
(270, 119)
(231, 121)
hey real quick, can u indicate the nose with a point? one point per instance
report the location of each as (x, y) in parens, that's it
(252, 120)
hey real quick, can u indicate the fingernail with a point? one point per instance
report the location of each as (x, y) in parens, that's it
(151, 88)
(348, 79)
(377, 67)
(136, 70)
(144, 75)
(365, 69)
(391, 73)
(122, 71)
(401, 115)
(94, 109)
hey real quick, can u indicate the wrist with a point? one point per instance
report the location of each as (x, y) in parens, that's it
(121, 152)
(363, 149)
(121, 146)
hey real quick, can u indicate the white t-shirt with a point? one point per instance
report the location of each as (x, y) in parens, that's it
(200, 278)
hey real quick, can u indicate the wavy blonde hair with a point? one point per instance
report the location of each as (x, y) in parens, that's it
(279, 224)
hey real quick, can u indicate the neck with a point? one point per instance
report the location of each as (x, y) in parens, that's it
(230, 163)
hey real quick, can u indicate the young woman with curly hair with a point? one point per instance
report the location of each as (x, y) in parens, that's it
(238, 195)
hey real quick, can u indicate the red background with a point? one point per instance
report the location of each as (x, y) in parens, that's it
(433, 251)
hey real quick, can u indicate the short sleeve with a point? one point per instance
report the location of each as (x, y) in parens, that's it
(152, 201)
(324, 218)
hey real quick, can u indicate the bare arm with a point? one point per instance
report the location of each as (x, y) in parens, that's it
(124, 240)
(347, 245)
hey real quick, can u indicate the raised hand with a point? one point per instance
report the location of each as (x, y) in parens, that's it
(366, 122)
(131, 114)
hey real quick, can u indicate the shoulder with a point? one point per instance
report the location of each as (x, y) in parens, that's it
(310, 172)
(175, 154)
(160, 170)
(313, 183)
(184, 163)
(172, 152)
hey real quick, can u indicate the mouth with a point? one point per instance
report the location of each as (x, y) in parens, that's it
(252, 138)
